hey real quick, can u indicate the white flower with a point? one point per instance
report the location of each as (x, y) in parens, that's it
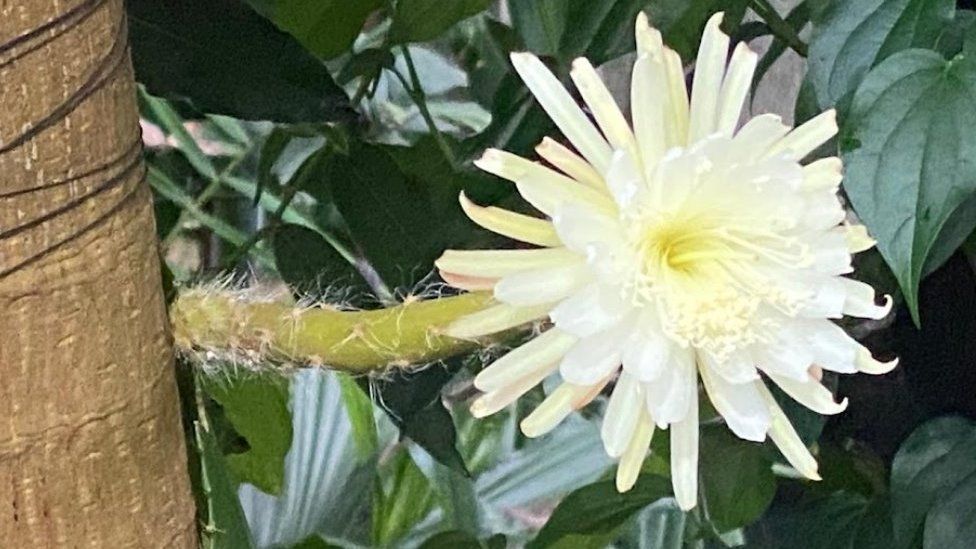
(678, 249)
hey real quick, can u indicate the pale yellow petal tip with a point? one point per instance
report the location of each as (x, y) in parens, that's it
(715, 21)
(869, 365)
(625, 480)
(858, 239)
(686, 504)
(812, 475)
(521, 58)
(480, 408)
(532, 428)
(642, 23)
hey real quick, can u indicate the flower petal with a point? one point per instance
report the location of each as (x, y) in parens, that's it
(633, 457)
(859, 301)
(535, 287)
(669, 395)
(569, 163)
(783, 434)
(565, 113)
(623, 410)
(566, 398)
(737, 367)
(684, 457)
(603, 106)
(740, 405)
(858, 239)
(516, 226)
(469, 283)
(540, 353)
(592, 309)
(648, 99)
(625, 182)
(490, 403)
(735, 88)
(594, 357)
(540, 186)
(810, 393)
(709, 68)
(578, 227)
(498, 263)
(870, 365)
(757, 135)
(807, 138)
(646, 355)
(494, 319)
(832, 348)
(823, 175)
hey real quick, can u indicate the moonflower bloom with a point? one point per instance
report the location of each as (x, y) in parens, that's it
(679, 248)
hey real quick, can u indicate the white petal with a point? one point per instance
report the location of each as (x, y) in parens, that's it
(590, 310)
(758, 134)
(494, 319)
(740, 405)
(498, 263)
(603, 106)
(565, 113)
(517, 226)
(684, 457)
(735, 368)
(647, 355)
(810, 393)
(823, 175)
(858, 239)
(633, 457)
(490, 403)
(870, 365)
(566, 398)
(527, 288)
(579, 226)
(709, 69)
(624, 180)
(783, 434)
(624, 408)
(469, 283)
(828, 298)
(830, 253)
(824, 211)
(735, 87)
(648, 99)
(808, 137)
(594, 357)
(832, 348)
(859, 300)
(536, 355)
(569, 163)
(787, 355)
(676, 112)
(545, 189)
(669, 395)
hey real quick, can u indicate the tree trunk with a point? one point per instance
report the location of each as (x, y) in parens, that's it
(91, 448)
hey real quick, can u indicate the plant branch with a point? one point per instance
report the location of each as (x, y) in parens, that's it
(779, 26)
(416, 92)
(228, 326)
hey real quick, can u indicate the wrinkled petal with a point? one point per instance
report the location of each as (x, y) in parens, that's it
(859, 300)
(740, 405)
(590, 310)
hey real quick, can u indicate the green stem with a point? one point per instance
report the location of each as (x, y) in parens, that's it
(416, 92)
(202, 199)
(781, 29)
(353, 341)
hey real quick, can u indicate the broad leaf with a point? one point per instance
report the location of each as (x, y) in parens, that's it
(423, 20)
(852, 37)
(736, 479)
(594, 515)
(950, 523)
(257, 407)
(227, 59)
(911, 162)
(326, 27)
(936, 458)
(310, 265)
(225, 526)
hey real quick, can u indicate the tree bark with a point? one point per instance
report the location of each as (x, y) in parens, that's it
(91, 448)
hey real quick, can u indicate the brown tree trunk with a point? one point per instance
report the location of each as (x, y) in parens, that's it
(91, 449)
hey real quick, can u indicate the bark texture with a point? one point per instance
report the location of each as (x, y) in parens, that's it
(91, 448)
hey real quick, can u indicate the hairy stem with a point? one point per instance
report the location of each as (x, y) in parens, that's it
(353, 341)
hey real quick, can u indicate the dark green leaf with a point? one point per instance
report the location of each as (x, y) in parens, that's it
(314, 542)
(737, 480)
(310, 265)
(950, 523)
(852, 37)
(400, 216)
(423, 20)
(226, 526)
(933, 460)
(593, 515)
(910, 162)
(452, 540)
(227, 59)
(326, 27)
(818, 523)
(257, 407)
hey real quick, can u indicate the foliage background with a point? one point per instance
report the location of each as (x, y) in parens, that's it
(322, 144)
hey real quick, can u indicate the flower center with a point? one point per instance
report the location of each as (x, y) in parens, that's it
(708, 277)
